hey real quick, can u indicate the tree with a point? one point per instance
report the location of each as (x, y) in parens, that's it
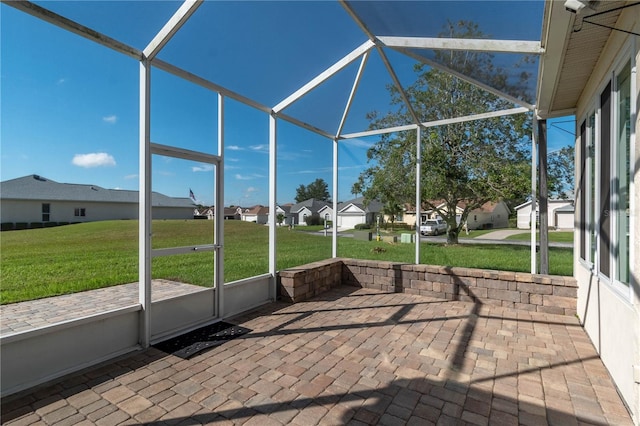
(317, 189)
(391, 209)
(561, 168)
(464, 164)
(280, 218)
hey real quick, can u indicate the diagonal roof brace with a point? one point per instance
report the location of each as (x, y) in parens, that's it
(172, 26)
(398, 85)
(468, 79)
(325, 75)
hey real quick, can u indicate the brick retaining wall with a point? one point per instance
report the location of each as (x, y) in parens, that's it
(531, 292)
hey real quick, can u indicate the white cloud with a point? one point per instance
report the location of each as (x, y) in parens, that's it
(248, 177)
(252, 189)
(202, 168)
(95, 159)
(133, 176)
(262, 147)
(111, 119)
(61, 81)
(234, 148)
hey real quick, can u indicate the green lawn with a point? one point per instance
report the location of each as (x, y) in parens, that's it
(51, 261)
(554, 236)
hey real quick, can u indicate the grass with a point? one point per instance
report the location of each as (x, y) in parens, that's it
(45, 262)
(554, 237)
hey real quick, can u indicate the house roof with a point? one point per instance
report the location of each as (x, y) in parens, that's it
(256, 210)
(312, 204)
(572, 48)
(231, 211)
(567, 209)
(367, 206)
(34, 187)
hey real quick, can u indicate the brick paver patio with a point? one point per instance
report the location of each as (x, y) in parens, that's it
(352, 356)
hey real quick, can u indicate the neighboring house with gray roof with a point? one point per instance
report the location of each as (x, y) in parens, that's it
(36, 199)
(356, 211)
(310, 207)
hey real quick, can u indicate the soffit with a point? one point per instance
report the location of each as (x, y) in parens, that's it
(572, 51)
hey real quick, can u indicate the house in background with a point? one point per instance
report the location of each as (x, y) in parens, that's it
(565, 207)
(491, 214)
(591, 72)
(36, 199)
(204, 213)
(300, 211)
(258, 214)
(357, 211)
(233, 213)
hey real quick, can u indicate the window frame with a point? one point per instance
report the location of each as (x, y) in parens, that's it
(46, 212)
(624, 59)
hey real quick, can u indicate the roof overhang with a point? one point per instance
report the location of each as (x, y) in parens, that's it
(571, 51)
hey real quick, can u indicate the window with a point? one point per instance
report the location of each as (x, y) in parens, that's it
(79, 212)
(46, 212)
(592, 187)
(604, 240)
(582, 193)
(623, 172)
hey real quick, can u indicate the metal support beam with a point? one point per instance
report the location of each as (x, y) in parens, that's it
(479, 45)
(446, 121)
(218, 235)
(144, 206)
(203, 82)
(466, 78)
(534, 197)
(176, 22)
(273, 165)
(325, 75)
(352, 95)
(334, 236)
(418, 190)
(544, 204)
(72, 26)
(396, 82)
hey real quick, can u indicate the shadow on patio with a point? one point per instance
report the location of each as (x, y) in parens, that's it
(352, 356)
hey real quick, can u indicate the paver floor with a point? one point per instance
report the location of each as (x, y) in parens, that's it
(352, 356)
(23, 316)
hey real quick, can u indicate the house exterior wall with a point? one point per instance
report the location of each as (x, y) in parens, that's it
(350, 217)
(524, 215)
(610, 311)
(64, 211)
(499, 218)
(564, 220)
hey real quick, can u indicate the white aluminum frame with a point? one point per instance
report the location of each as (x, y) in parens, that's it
(148, 59)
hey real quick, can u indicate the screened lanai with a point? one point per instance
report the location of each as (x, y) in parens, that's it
(238, 103)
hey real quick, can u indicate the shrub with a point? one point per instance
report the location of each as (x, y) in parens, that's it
(363, 226)
(63, 223)
(37, 225)
(50, 224)
(6, 226)
(22, 225)
(313, 220)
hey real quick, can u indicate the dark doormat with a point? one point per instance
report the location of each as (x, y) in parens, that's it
(193, 342)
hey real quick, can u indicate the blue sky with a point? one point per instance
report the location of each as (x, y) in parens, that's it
(69, 107)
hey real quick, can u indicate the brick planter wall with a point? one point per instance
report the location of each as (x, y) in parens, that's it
(531, 292)
(303, 282)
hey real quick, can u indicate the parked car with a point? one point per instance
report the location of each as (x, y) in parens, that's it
(433, 227)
